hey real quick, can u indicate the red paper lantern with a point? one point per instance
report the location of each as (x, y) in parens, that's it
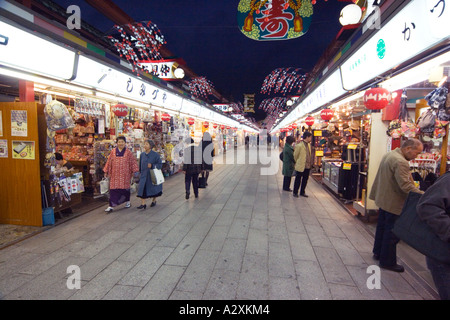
(228, 127)
(165, 117)
(191, 121)
(294, 126)
(215, 125)
(377, 98)
(206, 124)
(222, 127)
(120, 110)
(309, 121)
(327, 114)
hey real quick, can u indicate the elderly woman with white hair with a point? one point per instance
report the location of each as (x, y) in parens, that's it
(148, 160)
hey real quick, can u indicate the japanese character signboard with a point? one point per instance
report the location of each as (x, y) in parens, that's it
(162, 69)
(264, 20)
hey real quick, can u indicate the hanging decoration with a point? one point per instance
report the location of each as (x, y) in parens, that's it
(206, 124)
(327, 114)
(377, 98)
(138, 41)
(310, 121)
(120, 110)
(273, 106)
(265, 20)
(191, 121)
(165, 117)
(284, 80)
(200, 87)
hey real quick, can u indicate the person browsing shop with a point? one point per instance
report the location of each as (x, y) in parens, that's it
(390, 189)
(303, 164)
(288, 163)
(63, 165)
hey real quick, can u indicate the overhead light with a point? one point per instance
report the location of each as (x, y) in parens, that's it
(55, 93)
(350, 14)
(179, 73)
(120, 99)
(444, 79)
(416, 74)
(48, 82)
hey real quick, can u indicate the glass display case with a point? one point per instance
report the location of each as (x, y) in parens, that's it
(330, 173)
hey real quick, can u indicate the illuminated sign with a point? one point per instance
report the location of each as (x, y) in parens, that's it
(418, 27)
(24, 51)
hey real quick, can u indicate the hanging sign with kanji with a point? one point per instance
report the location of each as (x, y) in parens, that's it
(162, 69)
(265, 20)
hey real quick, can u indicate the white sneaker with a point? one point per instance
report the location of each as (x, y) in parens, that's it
(109, 209)
(128, 204)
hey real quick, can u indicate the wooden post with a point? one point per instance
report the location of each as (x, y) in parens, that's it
(444, 152)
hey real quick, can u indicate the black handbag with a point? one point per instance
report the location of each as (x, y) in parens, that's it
(416, 233)
(202, 183)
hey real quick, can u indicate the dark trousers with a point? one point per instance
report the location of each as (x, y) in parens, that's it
(187, 180)
(286, 183)
(385, 245)
(441, 277)
(301, 178)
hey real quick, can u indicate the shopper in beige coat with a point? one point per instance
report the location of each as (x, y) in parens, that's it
(303, 164)
(390, 189)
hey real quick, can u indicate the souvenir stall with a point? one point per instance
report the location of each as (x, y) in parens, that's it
(63, 185)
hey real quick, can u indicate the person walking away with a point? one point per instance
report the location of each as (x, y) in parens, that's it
(390, 189)
(119, 168)
(303, 164)
(148, 160)
(192, 167)
(288, 163)
(434, 209)
(207, 155)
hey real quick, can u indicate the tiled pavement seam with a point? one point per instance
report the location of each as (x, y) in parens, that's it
(243, 238)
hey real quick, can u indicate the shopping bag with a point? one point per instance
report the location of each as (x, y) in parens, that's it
(418, 234)
(104, 186)
(133, 186)
(202, 182)
(156, 176)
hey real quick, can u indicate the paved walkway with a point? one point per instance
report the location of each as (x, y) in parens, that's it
(243, 238)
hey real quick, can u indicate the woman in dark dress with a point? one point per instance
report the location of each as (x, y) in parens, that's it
(148, 160)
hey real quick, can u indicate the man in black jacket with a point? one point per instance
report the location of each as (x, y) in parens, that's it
(434, 209)
(192, 166)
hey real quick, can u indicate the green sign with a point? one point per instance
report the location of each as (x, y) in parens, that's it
(381, 48)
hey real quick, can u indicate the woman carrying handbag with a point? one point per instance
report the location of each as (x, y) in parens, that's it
(148, 161)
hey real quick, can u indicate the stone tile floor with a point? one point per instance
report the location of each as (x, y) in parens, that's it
(243, 238)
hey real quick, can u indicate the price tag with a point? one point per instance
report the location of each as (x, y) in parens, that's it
(317, 133)
(319, 153)
(352, 146)
(347, 166)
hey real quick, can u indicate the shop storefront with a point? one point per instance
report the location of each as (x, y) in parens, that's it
(411, 62)
(84, 103)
